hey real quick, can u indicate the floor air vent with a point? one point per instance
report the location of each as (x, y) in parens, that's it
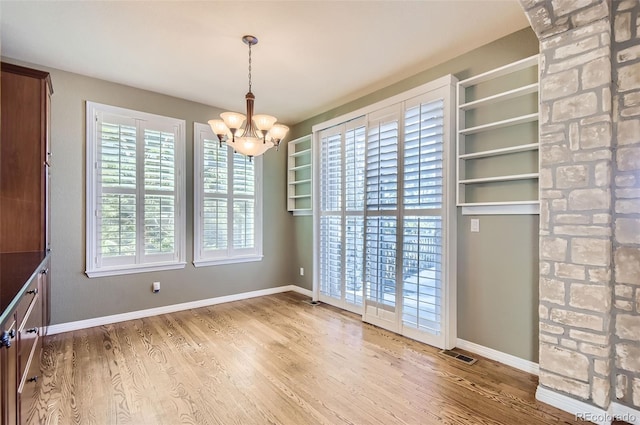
(458, 356)
(311, 302)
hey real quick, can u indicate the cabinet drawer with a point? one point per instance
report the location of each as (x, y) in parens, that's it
(29, 389)
(27, 299)
(9, 374)
(29, 333)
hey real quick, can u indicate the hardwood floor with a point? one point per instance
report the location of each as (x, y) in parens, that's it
(272, 360)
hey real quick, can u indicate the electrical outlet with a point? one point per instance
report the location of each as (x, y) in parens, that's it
(475, 225)
(301, 271)
(155, 287)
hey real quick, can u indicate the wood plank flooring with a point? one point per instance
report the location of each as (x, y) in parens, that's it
(271, 360)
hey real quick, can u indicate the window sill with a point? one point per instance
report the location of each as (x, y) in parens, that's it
(232, 260)
(115, 271)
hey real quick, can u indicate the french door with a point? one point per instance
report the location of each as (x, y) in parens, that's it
(385, 219)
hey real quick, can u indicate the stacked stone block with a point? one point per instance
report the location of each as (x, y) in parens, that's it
(589, 197)
(626, 191)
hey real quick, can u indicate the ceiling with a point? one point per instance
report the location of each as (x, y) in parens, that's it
(311, 56)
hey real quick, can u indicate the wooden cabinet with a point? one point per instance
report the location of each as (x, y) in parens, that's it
(24, 237)
(24, 324)
(30, 332)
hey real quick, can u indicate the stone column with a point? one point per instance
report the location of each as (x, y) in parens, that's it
(626, 101)
(589, 198)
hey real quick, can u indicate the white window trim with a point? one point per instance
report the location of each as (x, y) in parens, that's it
(92, 268)
(201, 131)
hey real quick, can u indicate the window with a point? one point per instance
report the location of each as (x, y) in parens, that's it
(385, 217)
(135, 191)
(228, 202)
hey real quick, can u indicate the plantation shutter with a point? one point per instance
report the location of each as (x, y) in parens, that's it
(137, 213)
(227, 196)
(423, 146)
(117, 188)
(384, 223)
(159, 192)
(381, 237)
(331, 212)
(382, 162)
(243, 202)
(133, 191)
(215, 176)
(422, 224)
(354, 178)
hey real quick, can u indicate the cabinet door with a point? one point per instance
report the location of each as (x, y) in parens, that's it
(45, 290)
(9, 372)
(23, 152)
(47, 172)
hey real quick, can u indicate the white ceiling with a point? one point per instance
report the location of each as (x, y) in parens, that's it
(312, 55)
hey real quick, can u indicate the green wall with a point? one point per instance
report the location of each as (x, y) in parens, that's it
(498, 267)
(76, 297)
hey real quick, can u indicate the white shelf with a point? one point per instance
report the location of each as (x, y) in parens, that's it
(491, 188)
(525, 63)
(500, 97)
(499, 179)
(300, 157)
(500, 124)
(501, 208)
(300, 153)
(493, 204)
(300, 167)
(300, 181)
(501, 151)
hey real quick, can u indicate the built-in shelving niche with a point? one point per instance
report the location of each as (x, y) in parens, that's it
(299, 176)
(497, 140)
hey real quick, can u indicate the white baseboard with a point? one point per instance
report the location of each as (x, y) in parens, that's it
(106, 320)
(582, 411)
(299, 290)
(499, 356)
(625, 413)
(588, 412)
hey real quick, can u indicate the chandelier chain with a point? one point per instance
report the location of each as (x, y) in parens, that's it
(249, 67)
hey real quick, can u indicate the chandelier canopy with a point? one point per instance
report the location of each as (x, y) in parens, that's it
(251, 135)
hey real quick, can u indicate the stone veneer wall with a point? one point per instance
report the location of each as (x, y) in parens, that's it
(626, 191)
(589, 197)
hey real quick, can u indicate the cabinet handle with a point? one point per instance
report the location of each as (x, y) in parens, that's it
(5, 340)
(33, 379)
(32, 331)
(33, 291)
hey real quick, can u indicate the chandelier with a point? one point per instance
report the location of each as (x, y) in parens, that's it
(251, 135)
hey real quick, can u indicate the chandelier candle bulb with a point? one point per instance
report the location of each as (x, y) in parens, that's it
(260, 132)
